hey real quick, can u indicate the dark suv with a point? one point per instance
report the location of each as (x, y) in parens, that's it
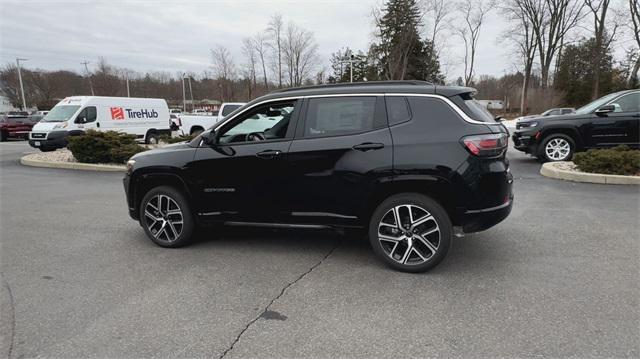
(407, 161)
(609, 121)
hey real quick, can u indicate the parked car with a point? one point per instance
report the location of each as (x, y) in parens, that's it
(196, 124)
(16, 126)
(550, 112)
(147, 118)
(175, 111)
(407, 161)
(609, 121)
(39, 113)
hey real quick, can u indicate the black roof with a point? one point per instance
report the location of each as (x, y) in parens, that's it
(421, 87)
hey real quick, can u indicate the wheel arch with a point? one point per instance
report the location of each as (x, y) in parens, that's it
(568, 131)
(437, 188)
(142, 183)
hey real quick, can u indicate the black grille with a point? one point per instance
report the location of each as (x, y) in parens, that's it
(38, 135)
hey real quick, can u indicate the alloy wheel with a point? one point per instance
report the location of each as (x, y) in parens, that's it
(557, 149)
(164, 218)
(409, 234)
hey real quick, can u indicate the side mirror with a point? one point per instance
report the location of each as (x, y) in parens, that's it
(605, 110)
(209, 138)
(80, 119)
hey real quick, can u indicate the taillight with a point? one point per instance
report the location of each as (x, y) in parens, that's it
(489, 145)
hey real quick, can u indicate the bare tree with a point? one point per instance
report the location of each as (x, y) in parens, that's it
(249, 51)
(603, 38)
(634, 12)
(521, 33)
(261, 44)
(300, 53)
(473, 14)
(275, 29)
(437, 11)
(224, 70)
(551, 21)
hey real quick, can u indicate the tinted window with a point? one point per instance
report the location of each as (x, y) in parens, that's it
(339, 116)
(566, 111)
(479, 112)
(628, 103)
(397, 109)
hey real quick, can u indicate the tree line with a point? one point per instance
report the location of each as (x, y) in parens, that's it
(562, 51)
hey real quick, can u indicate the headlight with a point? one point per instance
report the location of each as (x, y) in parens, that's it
(526, 124)
(130, 165)
(60, 125)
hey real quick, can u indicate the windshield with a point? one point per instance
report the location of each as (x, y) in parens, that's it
(592, 106)
(60, 113)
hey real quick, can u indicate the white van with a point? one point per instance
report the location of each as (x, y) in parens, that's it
(147, 118)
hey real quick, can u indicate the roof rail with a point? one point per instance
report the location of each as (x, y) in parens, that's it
(365, 83)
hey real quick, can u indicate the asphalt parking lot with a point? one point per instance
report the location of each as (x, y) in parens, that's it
(558, 278)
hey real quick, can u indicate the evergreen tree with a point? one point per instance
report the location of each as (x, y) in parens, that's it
(400, 53)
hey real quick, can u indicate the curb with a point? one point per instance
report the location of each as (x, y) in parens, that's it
(25, 160)
(552, 170)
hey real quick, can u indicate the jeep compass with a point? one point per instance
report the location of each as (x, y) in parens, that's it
(407, 161)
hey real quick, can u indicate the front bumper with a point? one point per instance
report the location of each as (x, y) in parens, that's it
(133, 213)
(525, 141)
(55, 139)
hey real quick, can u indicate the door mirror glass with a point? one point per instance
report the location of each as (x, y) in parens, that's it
(605, 109)
(81, 118)
(209, 138)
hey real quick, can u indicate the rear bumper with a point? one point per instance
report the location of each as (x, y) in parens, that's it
(482, 219)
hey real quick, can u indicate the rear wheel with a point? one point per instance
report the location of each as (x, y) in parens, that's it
(152, 138)
(410, 232)
(556, 147)
(166, 217)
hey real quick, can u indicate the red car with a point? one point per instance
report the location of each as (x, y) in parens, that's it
(16, 125)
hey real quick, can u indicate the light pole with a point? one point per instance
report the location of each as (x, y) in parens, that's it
(350, 62)
(190, 92)
(184, 96)
(128, 92)
(24, 102)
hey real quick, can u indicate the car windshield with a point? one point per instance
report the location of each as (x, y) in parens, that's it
(60, 113)
(592, 106)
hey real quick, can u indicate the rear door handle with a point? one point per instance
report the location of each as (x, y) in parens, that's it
(368, 146)
(268, 154)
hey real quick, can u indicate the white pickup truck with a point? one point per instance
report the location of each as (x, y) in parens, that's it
(194, 124)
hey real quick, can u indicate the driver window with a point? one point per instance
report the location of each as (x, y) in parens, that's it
(88, 114)
(263, 123)
(627, 103)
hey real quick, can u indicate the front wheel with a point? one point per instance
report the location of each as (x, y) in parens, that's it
(152, 138)
(410, 232)
(166, 217)
(556, 147)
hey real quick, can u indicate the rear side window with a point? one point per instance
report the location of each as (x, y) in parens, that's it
(433, 112)
(397, 110)
(335, 116)
(475, 110)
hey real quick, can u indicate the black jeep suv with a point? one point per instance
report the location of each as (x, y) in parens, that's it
(609, 121)
(407, 161)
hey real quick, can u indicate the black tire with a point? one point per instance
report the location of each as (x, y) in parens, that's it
(155, 231)
(47, 149)
(440, 221)
(152, 138)
(3, 136)
(196, 130)
(543, 156)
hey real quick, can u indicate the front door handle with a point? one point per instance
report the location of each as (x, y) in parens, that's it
(97, 124)
(268, 154)
(368, 146)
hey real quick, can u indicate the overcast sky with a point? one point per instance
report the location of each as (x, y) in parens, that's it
(178, 35)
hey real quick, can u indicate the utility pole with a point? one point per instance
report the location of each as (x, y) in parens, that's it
(191, 92)
(24, 102)
(128, 92)
(85, 63)
(184, 96)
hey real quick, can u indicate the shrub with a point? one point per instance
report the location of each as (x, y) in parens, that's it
(619, 160)
(104, 147)
(169, 139)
